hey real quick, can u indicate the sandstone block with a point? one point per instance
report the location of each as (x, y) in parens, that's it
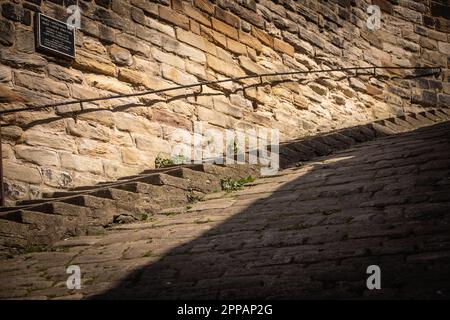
(227, 17)
(38, 156)
(11, 132)
(222, 67)
(444, 47)
(114, 169)
(213, 36)
(212, 117)
(64, 74)
(96, 149)
(120, 56)
(262, 36)
(195, 14)
(132, 43)
(107, 83)
(205, 6)
(148, 6)
(131, 123)
(21, 60)
(16, 171)
(41, 84)
(222, 105)
(167, 58)
(7, 31)
(153, 144)
(91, 63)
(196, 41)
(176, 75)
(46, 139)
(250, 41)
(248, 65)
(173, 17)
(280, 45)
(81, 163)
(86, 129)
(196, 69)
(236, 47)
(224, 28)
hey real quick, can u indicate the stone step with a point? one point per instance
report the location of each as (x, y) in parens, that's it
(441, 114)
(34, 228)
(13, 234)
(402, 123)
(198, 180)
(422, 119)
(429, 115)
(412, 121)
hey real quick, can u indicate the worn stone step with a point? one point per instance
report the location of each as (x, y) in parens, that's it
(441, 114)
(34, 228)
(380, 130)
(13, 234)
(445, 111)
(429, 115)
(402, 123)
(395, 128)
(422, 119)
(411, 120)
(152, 198)
(198, 180)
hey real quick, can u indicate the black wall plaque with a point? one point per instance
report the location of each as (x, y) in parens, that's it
(54, 36)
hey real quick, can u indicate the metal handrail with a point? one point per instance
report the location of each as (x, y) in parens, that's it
(212, 82)
(199, 84)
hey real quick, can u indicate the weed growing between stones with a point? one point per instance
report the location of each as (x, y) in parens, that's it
(228, 184)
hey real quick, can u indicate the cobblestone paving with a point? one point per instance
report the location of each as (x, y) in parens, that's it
(309, 232)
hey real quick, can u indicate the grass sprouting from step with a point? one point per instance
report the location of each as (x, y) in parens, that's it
(228, 184)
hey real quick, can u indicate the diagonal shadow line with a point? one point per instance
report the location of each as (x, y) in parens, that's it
(314, 234)
(224, 91)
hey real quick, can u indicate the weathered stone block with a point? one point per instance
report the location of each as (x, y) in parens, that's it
(7, 32)
(205, 6)
(120, 56)
(262, 36)
(107, 83)
(128, 122)
(236, 47)
(64, 74)
(152, 143)
(93, 63)
(227, 17)
(22, 60)
(16, 171)
(132, 43)
(167, 58)
(38, 156)
(221, 66)
(280, 45)
(54, 141)
(176, 75)
(173, 17)
(196, 41)
(196, 14)
(81, 163)
(224, 28)
(41, 84)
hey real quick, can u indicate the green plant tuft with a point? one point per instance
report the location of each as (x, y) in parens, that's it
(229, 184)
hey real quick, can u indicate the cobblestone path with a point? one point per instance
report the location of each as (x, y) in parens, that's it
(309, 232)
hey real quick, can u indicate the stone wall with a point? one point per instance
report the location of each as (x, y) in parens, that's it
(127, 46)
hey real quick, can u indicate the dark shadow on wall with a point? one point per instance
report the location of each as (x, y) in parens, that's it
(385, 203)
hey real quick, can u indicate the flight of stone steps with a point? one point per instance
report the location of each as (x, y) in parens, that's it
(297, 151)
(87, 210)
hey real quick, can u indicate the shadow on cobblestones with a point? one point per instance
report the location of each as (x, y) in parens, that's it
(384, 203)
